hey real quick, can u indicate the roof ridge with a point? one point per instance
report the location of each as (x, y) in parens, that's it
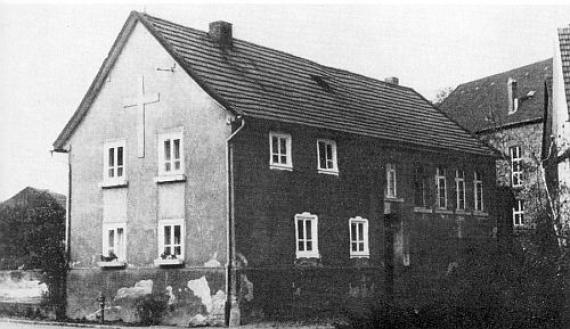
(504, 72)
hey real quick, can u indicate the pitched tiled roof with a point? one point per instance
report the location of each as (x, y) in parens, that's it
(483, 104)
(264, 83)
(564, 41)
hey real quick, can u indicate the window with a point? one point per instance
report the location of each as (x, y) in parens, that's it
(326, 153)
(358, 237)
(460, 189)
(478, 191)
(171, 154)
(307, 235)
(518, 214)
(516, 165)
(171, 234)
(114, 157)
(114, 242)
(391, 181)
(441, 184)
(420, 187)
(280, 151)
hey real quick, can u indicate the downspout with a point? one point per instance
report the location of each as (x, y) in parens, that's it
(231, 266)
(67, 203)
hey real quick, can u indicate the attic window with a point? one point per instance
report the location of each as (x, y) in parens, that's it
(321, 81)
(513, 100)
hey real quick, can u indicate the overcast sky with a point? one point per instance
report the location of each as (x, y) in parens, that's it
(50, 54)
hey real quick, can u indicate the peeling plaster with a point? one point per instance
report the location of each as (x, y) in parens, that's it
(201, 290)
(21, 289)
(213, 262)
(141, 288)
(248, 287)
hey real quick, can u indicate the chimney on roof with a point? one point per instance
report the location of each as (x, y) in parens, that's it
(392, 80)
(221, 33)
(512, 95)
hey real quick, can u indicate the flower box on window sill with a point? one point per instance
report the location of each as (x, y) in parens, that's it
(280, 167)
(170, 178)
(328, 172)
(112, 264)
(423, 210)
(168, 262)
(114, 183)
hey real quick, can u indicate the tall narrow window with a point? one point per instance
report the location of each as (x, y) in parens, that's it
(114, 169)
(460, 189)
(326, 154)
(171, 154)
(516, 165)
(171, 239)
(391, 181)
(114, 242)
(518, 213)
(358, 227)
(307, 243)
(441, 184)
(280, 151)
(420, 193)
(478, 191)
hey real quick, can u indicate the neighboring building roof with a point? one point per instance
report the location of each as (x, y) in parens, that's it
(564, 41)
(31, 197)
(483, 104)
(264, 83)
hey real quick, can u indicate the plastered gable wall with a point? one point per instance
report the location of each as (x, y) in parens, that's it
(183, 106)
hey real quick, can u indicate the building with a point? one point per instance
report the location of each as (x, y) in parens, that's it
(508, 111)
(245, 181)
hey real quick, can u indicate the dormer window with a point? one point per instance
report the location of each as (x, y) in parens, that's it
(512, 96)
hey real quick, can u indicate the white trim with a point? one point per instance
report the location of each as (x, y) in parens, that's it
(438, 177)
(171, 222)
(170, 178)
(121, 253)
(516, 159)
(313, 220)
(518, 211)
(391, 170)
(477, 181)
(163, 163)
(364, 239)
(460, 180)
(334, 169)
(288, 165)
(119, 172)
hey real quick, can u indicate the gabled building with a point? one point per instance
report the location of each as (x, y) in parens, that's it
(244, 181)
(508, 111)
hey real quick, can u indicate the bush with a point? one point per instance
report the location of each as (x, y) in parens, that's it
(151, 308)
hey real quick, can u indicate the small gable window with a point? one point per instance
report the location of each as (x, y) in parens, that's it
(441, 185)
(516, 165)
(460, 189)
(327, 160)
(478, 191)
(358, 237)
(114, 163)
(280, 151)
(171, 154)
(306, 233)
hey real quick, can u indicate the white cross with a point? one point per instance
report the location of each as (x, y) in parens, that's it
(139, 102)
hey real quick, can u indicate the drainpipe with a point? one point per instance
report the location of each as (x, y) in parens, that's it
(230, 287)
(67, 202)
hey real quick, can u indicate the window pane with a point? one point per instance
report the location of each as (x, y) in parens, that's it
(329, 151)
(353, 246)
(309, 246)
(284, 159)
(111, 157)
(301, 246)
(361, 246)
(177, 251)
(176, 149)
(167, 236)
(308, 229)
(275, 147)
(353, 231)
(167, 150)
(275, 158)
(177, 165)
(111, 172)
(301, 229)
(120, 172)
(177, 234)
(111, 239)
(360, 232)
(120, 156)
(167, 251)
(322, 156)
(167, 166)
(330, 164)
(283, 149)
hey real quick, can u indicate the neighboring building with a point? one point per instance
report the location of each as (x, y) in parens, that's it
(246, 177)
(508, 111)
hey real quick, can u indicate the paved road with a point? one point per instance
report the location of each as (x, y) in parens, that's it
(12, 325)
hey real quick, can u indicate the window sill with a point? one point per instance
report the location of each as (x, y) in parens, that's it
(423, 210)
(462, 212)
(114, 184)
(443, 211)
(112, 264)
(328, 172)
(393, 199)
(170, 178)
(360, 256)
(168, 262)
(307, 255)
(280, 167)
(480, 213)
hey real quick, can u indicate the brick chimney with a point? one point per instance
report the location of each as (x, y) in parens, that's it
(392, 80)
(512, 95)
(221, 33)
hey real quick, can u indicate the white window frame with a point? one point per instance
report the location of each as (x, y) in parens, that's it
(334, 169)
(288, 165)
(172, 222)
(420, 186)
(460, 189)
(478, 186)
(391, 171)
(518, 214)
(440, 176)
(162, 161)
(516, 162)
(314, 222)
(359, 239)
(115, 145)
(122, 252)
